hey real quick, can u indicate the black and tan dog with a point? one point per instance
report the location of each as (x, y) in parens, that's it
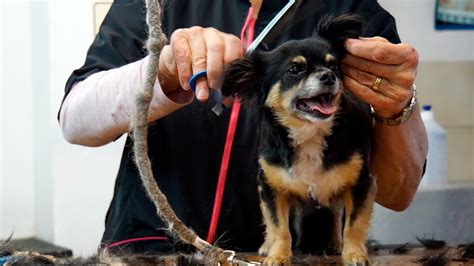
(315, 138)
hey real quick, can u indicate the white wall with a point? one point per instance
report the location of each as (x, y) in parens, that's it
(415, 22)
(1, 127)
(48, 188)
(17, 122)
(84, 177)
(42, 137)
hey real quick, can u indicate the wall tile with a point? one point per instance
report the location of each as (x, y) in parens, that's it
(460, 154)
(449, 88)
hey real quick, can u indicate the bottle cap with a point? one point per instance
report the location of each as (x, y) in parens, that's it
(426, 107)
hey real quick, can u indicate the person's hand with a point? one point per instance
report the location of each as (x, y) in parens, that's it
(372, 58)
(193, 50)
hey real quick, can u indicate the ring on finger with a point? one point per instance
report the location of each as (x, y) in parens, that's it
(375, 86)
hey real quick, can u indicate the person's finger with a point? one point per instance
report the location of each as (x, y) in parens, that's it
(381, 52)
(215, 56)
(363, 92)
(182, 56)
(385, 86)
(383, 104)
(233, 51)
(375, 38)
(362, 77)
(199, 61)
(378, 69)
(233, 48)
(167, 70)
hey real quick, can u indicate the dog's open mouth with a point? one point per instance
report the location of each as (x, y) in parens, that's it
(323, 104)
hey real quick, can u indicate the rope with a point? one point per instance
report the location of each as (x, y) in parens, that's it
(139, 124)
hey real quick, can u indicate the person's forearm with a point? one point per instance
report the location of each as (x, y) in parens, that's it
(397, 160)
(98, 109)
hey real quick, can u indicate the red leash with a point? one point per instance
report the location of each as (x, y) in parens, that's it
(234, 117)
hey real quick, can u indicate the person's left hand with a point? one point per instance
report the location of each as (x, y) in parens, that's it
(395, 64)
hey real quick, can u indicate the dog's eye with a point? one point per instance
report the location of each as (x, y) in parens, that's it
(295, 70)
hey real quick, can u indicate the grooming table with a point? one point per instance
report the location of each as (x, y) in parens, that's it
(379, 255)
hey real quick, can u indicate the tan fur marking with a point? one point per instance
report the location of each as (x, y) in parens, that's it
(280, 180)
(270, 233)
(307, 173)
(337, 179)
(329, 58)
(279, 251)
(272, 100)
(299, 60)
(355, 231)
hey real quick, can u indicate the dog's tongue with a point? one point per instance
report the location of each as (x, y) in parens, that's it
(323, 106)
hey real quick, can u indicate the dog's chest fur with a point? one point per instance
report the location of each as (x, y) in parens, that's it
(295, 163)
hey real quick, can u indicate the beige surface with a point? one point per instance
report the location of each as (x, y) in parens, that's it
(100, 8)
(460, 154)
(449, 88)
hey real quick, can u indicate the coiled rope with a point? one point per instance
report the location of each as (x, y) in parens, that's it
(139, 126)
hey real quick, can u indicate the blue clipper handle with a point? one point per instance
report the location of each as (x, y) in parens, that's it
(195, 77)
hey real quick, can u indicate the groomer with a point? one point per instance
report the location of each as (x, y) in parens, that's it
(186, 138)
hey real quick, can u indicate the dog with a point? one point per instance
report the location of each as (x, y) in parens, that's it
(315, 138)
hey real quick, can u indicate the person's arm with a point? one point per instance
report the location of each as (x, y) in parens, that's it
(397, 160)
(399, 152)
(98, 109)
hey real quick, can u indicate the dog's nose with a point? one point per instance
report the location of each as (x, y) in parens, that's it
(327, 77)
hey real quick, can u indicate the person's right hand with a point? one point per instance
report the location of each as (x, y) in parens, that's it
(193, 50)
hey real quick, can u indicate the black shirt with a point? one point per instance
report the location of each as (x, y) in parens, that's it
(186, 146)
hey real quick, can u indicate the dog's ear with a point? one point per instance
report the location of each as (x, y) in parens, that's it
(337, 29)
(243, 79)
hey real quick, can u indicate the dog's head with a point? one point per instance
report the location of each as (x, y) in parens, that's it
(299, 79)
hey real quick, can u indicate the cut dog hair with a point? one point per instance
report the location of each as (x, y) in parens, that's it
(315, 138)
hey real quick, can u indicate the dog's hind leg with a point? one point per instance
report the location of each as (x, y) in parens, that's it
(358, 204)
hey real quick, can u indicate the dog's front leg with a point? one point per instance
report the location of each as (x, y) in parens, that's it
(277, 245)
(358, 214)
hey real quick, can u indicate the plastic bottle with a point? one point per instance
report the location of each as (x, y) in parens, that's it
(437, 167)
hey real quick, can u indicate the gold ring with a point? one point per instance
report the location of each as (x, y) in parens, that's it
(376, 84)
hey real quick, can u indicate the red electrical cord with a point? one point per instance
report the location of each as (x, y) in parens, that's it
(234, 117)
(138, 239)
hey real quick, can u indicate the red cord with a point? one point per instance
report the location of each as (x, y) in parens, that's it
(234, 117)
(131, 240)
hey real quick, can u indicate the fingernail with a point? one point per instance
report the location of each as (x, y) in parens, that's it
(201, 94)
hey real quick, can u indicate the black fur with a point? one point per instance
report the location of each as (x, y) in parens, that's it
(267, 195)
(431, 243)
(338, 29)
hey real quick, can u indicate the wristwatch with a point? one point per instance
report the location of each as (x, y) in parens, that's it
(402, 117)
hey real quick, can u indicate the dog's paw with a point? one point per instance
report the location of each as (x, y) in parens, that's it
(265, 248)
(356, 259)
(277, 260)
